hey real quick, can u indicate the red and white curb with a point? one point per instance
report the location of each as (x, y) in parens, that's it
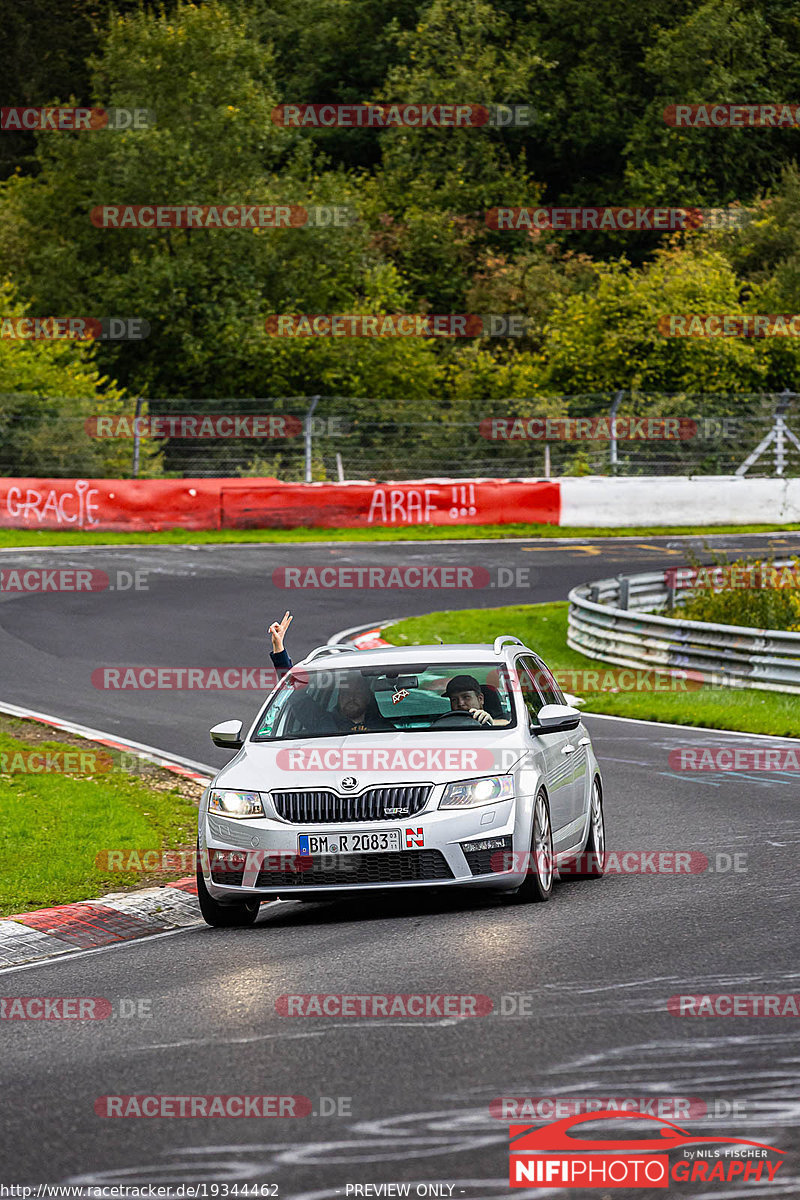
(119, 916)
(199, 772)
(370, 640)
(363, 637)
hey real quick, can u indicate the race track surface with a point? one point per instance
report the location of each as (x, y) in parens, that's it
(579, 986)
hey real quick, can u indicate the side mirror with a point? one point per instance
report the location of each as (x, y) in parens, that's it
(227, 735)
(556, 718)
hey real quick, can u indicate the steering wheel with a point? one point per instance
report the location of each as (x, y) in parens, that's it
(459, 720)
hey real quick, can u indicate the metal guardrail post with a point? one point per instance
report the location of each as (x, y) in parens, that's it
(669, 589)
(624, 591)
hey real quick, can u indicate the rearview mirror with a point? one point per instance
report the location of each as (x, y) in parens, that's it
(227, 735)
(556, 718)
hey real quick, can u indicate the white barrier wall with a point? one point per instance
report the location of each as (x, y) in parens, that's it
(678, 500)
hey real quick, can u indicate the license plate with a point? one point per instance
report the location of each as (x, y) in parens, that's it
(373, 841)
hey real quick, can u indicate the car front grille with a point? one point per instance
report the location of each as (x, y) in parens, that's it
(316, 808)
(403, 866)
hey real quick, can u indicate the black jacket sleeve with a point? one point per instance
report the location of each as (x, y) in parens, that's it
(280, 661)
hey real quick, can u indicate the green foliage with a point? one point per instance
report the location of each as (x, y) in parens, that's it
(598, 78)
(772, 602)
(48, 390)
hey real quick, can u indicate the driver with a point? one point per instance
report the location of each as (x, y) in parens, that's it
(465, 696)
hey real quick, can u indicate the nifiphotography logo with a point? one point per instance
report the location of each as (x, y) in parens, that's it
(552, 1155)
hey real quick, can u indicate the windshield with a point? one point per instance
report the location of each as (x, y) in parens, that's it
(411, 698)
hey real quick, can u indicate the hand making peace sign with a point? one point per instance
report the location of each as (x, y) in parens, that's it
(278, 631)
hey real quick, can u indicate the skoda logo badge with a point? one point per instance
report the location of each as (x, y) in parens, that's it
(349, 782)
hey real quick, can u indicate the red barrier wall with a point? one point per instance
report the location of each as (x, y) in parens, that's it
(109, 504)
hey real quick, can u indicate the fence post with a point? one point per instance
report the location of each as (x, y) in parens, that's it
(136, 439)
(612, 415)
(309, 415)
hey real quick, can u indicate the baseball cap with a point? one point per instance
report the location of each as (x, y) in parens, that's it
(462, 683)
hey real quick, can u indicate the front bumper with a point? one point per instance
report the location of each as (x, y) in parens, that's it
(259, 857)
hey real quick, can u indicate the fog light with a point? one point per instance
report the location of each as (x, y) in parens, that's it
(495, 843)
(487, 856)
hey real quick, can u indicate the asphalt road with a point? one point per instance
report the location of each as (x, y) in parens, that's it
(209, 606)
(579, 986)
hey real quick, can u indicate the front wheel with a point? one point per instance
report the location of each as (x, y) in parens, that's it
(538, 885)
(593, 858)
(224, 916)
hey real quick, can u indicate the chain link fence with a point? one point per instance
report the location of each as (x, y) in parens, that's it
(340, 437)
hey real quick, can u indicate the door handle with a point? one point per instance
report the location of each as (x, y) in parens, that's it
(567, 749)
(585, 742)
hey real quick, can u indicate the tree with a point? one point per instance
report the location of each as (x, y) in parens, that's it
(48, 390)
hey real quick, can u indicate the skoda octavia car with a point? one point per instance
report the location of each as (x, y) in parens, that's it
(396, 768)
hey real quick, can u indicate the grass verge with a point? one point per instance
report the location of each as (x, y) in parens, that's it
(12, 538)
(53, 824)
(543, 627)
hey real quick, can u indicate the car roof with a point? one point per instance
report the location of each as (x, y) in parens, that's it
(474, 652)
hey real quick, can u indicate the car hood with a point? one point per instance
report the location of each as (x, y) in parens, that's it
(374, 759)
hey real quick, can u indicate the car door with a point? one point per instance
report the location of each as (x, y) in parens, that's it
(578, 738)
(557, 751)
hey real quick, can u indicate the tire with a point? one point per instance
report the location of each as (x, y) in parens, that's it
(538, 885)
(224, 916)
(594, 850)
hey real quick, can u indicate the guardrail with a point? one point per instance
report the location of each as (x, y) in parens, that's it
(617, 621)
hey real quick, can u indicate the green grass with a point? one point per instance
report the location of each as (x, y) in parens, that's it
(53, 825)
(10, 538)
(543, 627)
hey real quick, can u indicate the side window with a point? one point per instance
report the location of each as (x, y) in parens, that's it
(531, 695)
(551, 692)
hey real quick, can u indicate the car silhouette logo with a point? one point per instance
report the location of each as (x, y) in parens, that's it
(556, 1137)
(349, 782)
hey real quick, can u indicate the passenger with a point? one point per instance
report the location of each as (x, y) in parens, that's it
(356, 708)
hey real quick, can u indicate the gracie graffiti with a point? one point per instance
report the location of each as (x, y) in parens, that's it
(77, 507)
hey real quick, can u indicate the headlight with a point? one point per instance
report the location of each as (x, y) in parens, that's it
(472, 792)
(235, 804)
